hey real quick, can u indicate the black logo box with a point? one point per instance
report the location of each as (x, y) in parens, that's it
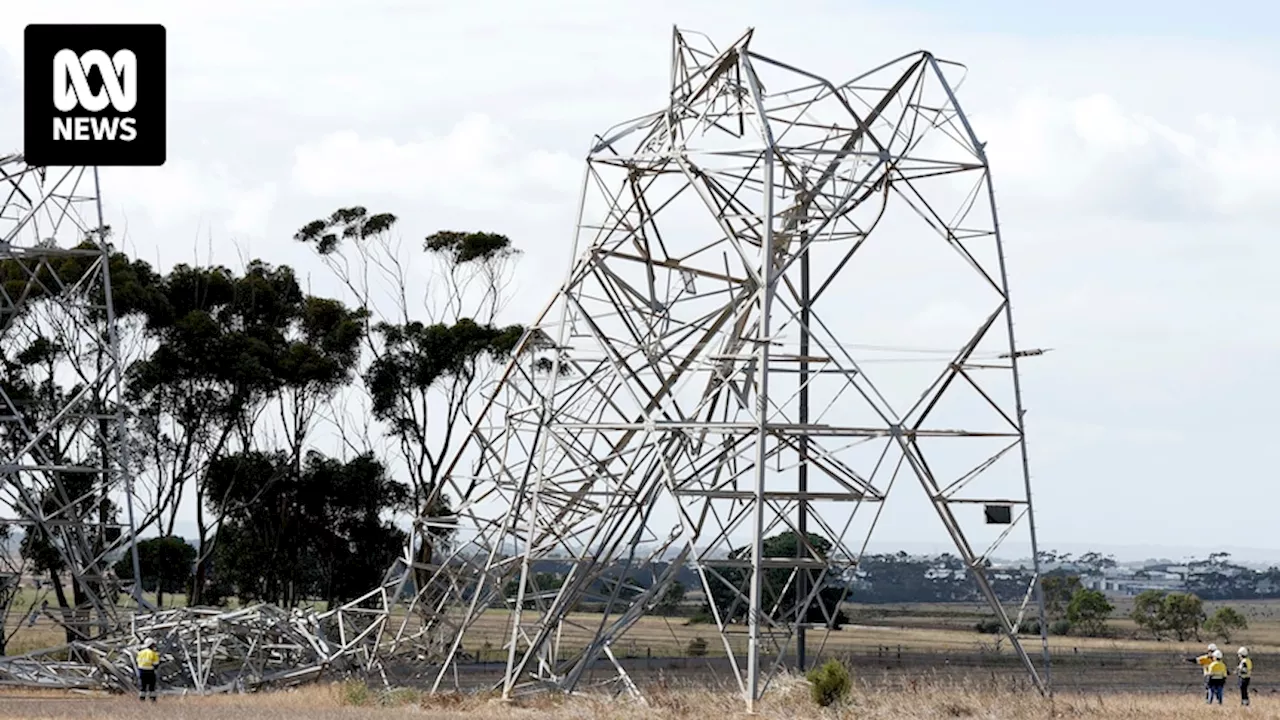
(42, 43)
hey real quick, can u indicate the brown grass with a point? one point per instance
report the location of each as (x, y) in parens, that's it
(937, 627)
(939, 633)
(788, 699)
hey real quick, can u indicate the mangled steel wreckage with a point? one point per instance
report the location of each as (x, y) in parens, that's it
(211, 650)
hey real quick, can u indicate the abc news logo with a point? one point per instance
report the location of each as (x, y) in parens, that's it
(95, 95)
(71, 90)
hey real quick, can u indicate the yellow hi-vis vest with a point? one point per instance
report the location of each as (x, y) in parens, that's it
(148, 659)
(1246, 668)
(1218, 670)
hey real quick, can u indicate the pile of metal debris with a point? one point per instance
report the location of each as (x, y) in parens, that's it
(211, 651)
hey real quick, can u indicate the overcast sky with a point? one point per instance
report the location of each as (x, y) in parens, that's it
(1133, 145)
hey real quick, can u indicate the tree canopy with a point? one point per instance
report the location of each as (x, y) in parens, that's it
(229, 375)
(731, 586)
(1224, 623)
(323, 533)
(1164, 613)
(1088, 611)
(165, 562)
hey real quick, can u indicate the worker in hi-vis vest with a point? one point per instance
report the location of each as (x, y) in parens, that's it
(1204, 661)
(1244, 671)
(147, 661)
(1217, 677)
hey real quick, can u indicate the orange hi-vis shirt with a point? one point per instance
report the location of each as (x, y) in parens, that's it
(1204, 661)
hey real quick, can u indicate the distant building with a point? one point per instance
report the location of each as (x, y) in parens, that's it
(1128, 582)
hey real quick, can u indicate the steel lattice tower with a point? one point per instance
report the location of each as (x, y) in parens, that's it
(695, 388)
(62, 434)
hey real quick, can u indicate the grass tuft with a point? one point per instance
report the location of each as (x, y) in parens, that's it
(355, 693)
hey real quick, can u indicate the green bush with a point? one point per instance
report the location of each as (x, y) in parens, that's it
(830, 683)
(988, 627)
(356, 693)
(697, 647)
(1225, 622)
(1060, 627)
(1088, 612)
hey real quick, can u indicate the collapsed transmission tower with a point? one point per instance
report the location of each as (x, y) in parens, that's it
(62, 464)
(708, 389)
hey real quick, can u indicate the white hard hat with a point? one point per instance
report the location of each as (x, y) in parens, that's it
(149, 642)
(1213, 648)
(1243, 652)
(1217, 654)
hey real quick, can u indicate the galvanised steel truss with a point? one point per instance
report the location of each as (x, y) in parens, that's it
(206, 651)
(700, 391)
(62, 449)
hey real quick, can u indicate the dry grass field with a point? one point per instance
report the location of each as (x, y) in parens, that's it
(940, 630)
(790, 700)
(908, 661)
(916, 627)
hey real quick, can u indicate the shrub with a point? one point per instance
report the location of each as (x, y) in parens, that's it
(356, 693)
(1158, 612)
(1225, 622)
(829, 683)
(989, 627)
(1027, 627)
(697, 647)
(1089, 611)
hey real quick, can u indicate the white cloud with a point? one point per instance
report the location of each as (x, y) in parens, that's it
(478, 165)
(1093, 154)
(183, 194)
(250, 209)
